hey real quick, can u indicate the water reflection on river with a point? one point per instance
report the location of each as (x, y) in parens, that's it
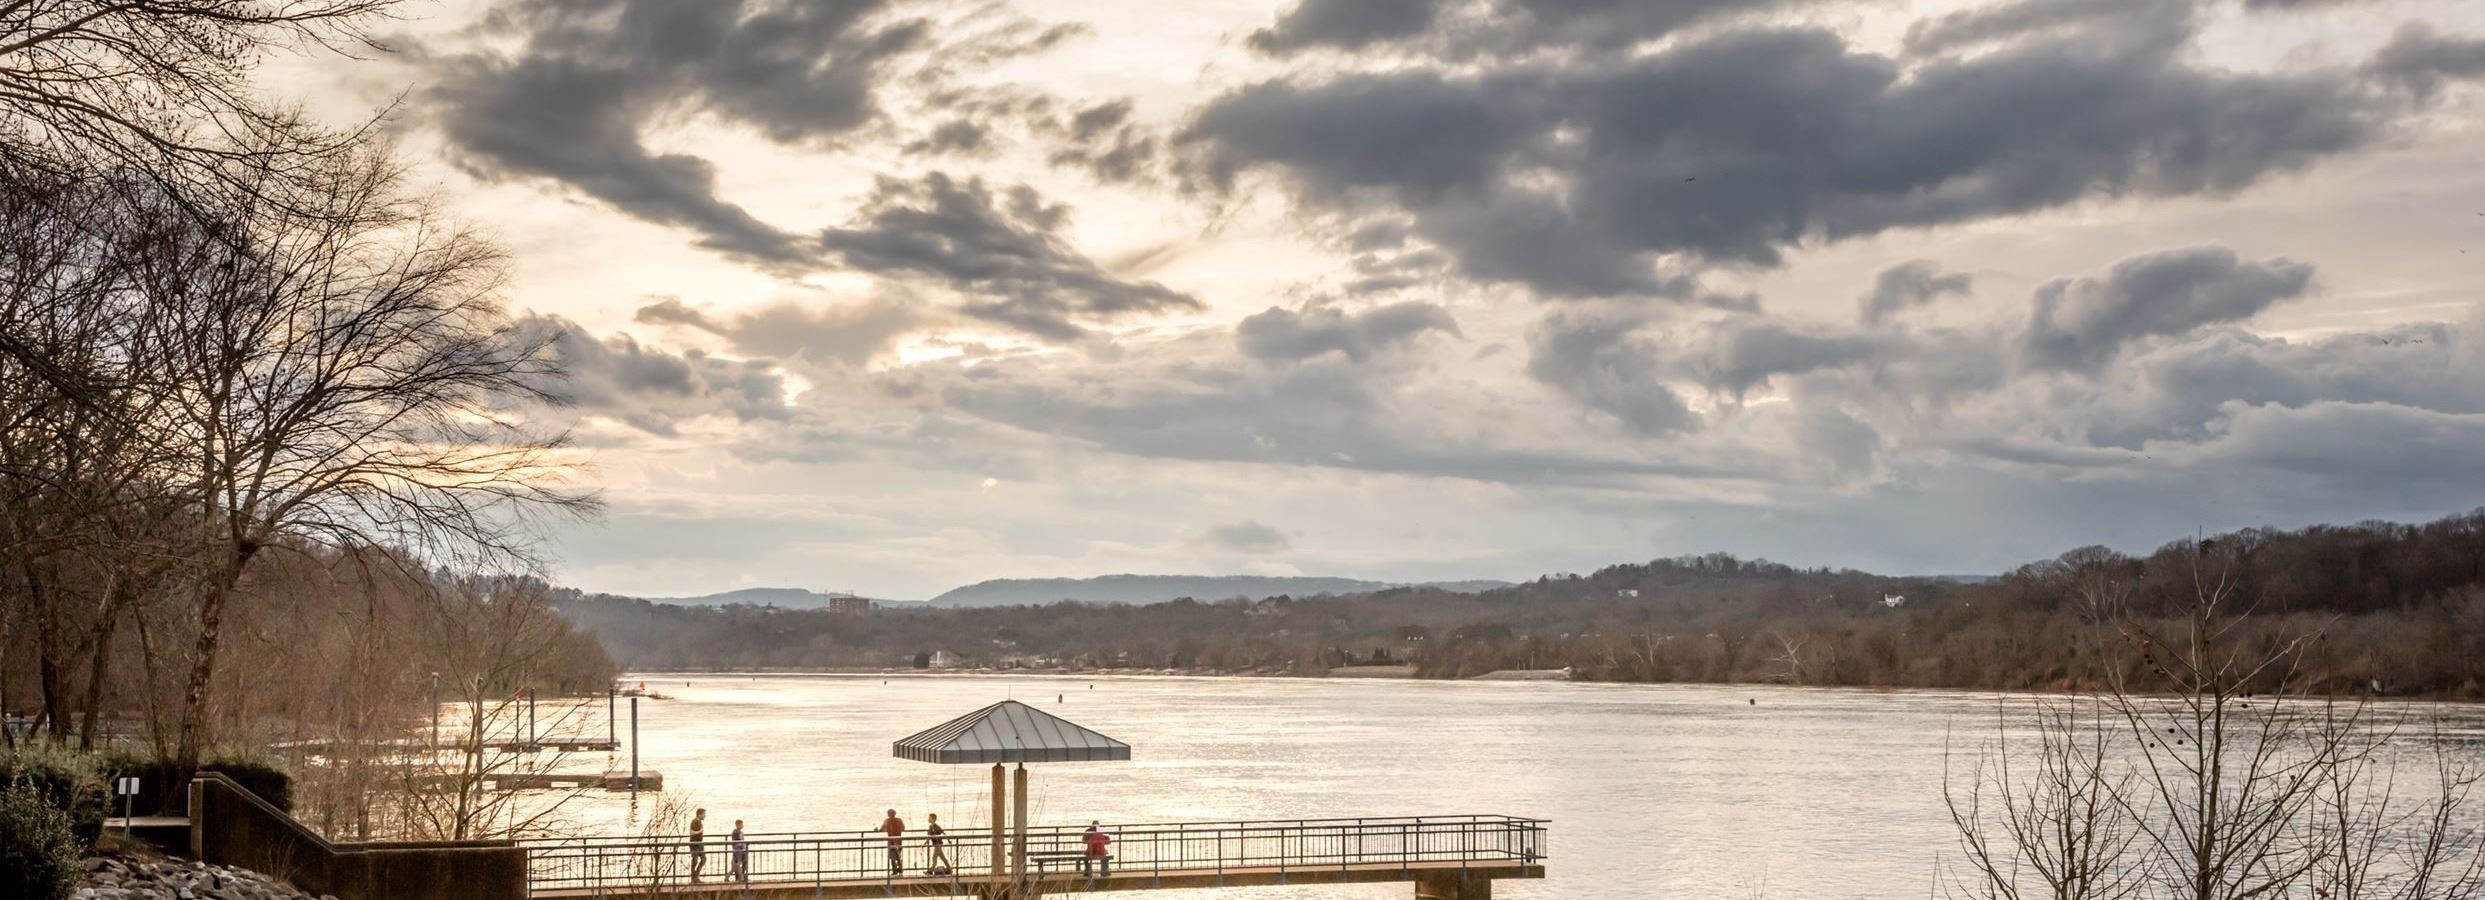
(1654, 790)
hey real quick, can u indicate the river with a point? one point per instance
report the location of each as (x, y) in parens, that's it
(1653, 790)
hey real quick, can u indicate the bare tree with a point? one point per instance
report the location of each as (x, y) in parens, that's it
(165, 85)
(344, 376)
(2226, 778)
(2059, 832)
(492, 638)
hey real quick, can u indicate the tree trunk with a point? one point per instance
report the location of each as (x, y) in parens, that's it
(203, 659)
(52, 693)
(99, 666)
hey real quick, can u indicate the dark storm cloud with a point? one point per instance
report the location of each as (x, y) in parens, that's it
(2079, 323)
(1909, 285)
(2419, 59)
(1001, 249)
(588, 77)
(1604, 360)
(1345, 24)
(849, 333)
(1574, 177)
(1284, 334)
(1249, 537)
(654, 390)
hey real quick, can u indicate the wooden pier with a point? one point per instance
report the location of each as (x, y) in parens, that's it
(1443, 858)
(1432, 881)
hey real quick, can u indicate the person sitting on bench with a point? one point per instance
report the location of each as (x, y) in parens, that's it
(1097, 840)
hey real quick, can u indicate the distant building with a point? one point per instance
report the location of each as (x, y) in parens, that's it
(1627, 592)
(944, 659)
(849, 605)
(1893, 601)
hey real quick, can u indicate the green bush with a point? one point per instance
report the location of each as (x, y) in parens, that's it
(267, 781)
(38, 845)
(156, 778)
(66, 781)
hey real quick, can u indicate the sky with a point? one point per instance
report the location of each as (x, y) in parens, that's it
(888, 297)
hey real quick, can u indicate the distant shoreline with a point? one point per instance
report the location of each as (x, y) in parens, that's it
(1407, 673)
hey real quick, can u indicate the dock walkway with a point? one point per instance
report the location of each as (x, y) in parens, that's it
(1445, 858)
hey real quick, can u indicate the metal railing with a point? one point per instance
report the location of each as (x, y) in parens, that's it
(640, 864)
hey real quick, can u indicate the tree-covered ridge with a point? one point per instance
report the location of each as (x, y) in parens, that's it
(2402, 607)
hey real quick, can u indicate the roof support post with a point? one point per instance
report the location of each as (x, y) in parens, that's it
(1018, 848)
(1000, 811)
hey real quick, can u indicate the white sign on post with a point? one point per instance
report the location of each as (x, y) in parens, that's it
(126, 787)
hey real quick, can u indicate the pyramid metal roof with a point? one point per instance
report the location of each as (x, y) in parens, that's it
(1009, 732)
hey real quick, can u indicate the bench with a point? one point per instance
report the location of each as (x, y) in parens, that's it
(1043, 859)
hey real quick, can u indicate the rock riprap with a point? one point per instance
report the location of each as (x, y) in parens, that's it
(158, 878)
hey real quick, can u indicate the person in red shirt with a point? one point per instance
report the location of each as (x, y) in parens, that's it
(1097, 840)
(895, 828)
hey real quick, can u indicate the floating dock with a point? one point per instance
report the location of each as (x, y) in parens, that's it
(648, 780)
(561, 745)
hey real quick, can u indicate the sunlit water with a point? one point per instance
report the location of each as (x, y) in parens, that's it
(1653, 790)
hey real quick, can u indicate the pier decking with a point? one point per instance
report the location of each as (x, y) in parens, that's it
(1445, 858)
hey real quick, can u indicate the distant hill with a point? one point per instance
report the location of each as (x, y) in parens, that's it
(1144, 589)
(785, 598)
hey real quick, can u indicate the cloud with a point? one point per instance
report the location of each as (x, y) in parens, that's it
(1909, 285)
(588, 79)
(1002, 250)
(1473, 28)
(1283, 334)
(2081, 323)
(1249, 537)
(1195, 397)
(1603, 360)
(1743, 353)
(653, 390)
(2419, 59)
(569, 91)
(2008, 21)
(956, 137)
(1582, 176)
(1344, 24)
(848, 333)
(1104, 141)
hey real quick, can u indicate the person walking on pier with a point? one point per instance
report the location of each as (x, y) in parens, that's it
(741, 850)
(1097, 857)
(895, 828)
(698, 844)
(940, 855)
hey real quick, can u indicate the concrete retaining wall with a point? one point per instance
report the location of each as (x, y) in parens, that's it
(231, 826)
